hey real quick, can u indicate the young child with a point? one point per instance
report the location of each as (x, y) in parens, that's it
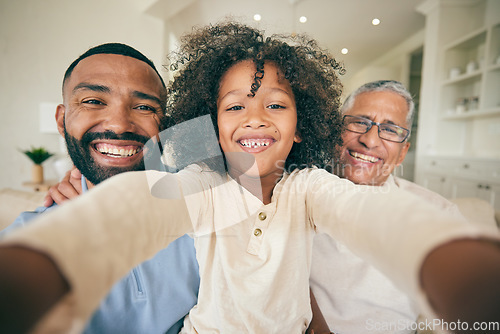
(253, 223)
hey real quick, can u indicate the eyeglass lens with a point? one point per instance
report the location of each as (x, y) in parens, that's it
(386, 131)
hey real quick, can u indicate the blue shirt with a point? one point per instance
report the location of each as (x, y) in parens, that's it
(153, 298)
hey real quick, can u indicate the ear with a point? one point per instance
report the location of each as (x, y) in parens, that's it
(297, 138)
(402, 154)
(60, 111)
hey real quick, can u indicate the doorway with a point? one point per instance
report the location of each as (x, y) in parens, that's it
(407, 168)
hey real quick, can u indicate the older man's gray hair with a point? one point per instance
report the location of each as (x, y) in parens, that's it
(383, 86)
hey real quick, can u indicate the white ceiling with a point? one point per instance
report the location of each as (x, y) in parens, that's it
(334, 23)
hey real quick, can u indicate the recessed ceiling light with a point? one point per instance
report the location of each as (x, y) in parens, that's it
(257, 17)
(375, 22)
(303, 19)
(344, 51)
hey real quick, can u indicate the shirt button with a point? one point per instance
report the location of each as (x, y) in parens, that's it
(257, 232)
(262, 216)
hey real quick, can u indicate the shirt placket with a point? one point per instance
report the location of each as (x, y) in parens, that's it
(260, 227)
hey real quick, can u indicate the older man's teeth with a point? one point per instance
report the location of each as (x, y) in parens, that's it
(363, 157)
(255, 143)
(113, 151)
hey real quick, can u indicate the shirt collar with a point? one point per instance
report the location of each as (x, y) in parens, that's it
(84, 184)
(390, 181)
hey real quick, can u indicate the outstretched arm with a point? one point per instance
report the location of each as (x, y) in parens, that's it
(451, 267)
(90, 243)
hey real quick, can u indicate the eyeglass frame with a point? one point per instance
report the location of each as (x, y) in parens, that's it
(372, 123)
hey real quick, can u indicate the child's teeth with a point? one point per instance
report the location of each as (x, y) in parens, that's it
(254, 143)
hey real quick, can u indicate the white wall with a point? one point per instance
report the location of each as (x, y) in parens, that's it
(394, 65)
(38, 40)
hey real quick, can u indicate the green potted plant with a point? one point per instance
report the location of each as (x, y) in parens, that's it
(38, 155)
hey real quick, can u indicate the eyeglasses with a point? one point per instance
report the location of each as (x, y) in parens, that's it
(390, 132)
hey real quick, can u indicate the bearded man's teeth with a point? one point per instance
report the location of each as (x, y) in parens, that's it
(364, 157)
(116, 152)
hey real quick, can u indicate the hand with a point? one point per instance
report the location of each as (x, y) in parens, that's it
(311, 331)
(460, 279)
(22, 301)
(69, 187)
(318, 323)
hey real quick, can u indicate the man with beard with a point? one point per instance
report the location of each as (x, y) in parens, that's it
(113, 103)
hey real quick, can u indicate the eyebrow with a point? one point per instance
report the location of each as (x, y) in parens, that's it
(388, 121)
(106, 89)
(92, 87)
(239, 91)
(146, 96)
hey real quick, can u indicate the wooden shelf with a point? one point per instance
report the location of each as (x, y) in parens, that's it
(468, 40)
(463, 77)
(494, 67)
(473, 114)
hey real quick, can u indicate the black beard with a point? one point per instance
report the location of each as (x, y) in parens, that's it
(79, 151)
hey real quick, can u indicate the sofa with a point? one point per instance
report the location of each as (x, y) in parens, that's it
(13, 202)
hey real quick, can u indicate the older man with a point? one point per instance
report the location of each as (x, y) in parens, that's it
(113, 103)
(353, 296)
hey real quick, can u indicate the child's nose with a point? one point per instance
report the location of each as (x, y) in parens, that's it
(255, 118)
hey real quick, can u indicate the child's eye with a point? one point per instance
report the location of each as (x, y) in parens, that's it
(235, 108)
(276, 106)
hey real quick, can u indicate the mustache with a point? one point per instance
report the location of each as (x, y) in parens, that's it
(91, 136)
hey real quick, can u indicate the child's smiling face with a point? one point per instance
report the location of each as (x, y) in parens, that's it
(263, 126)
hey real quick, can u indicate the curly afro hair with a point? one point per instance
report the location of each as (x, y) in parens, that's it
(207, 53)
